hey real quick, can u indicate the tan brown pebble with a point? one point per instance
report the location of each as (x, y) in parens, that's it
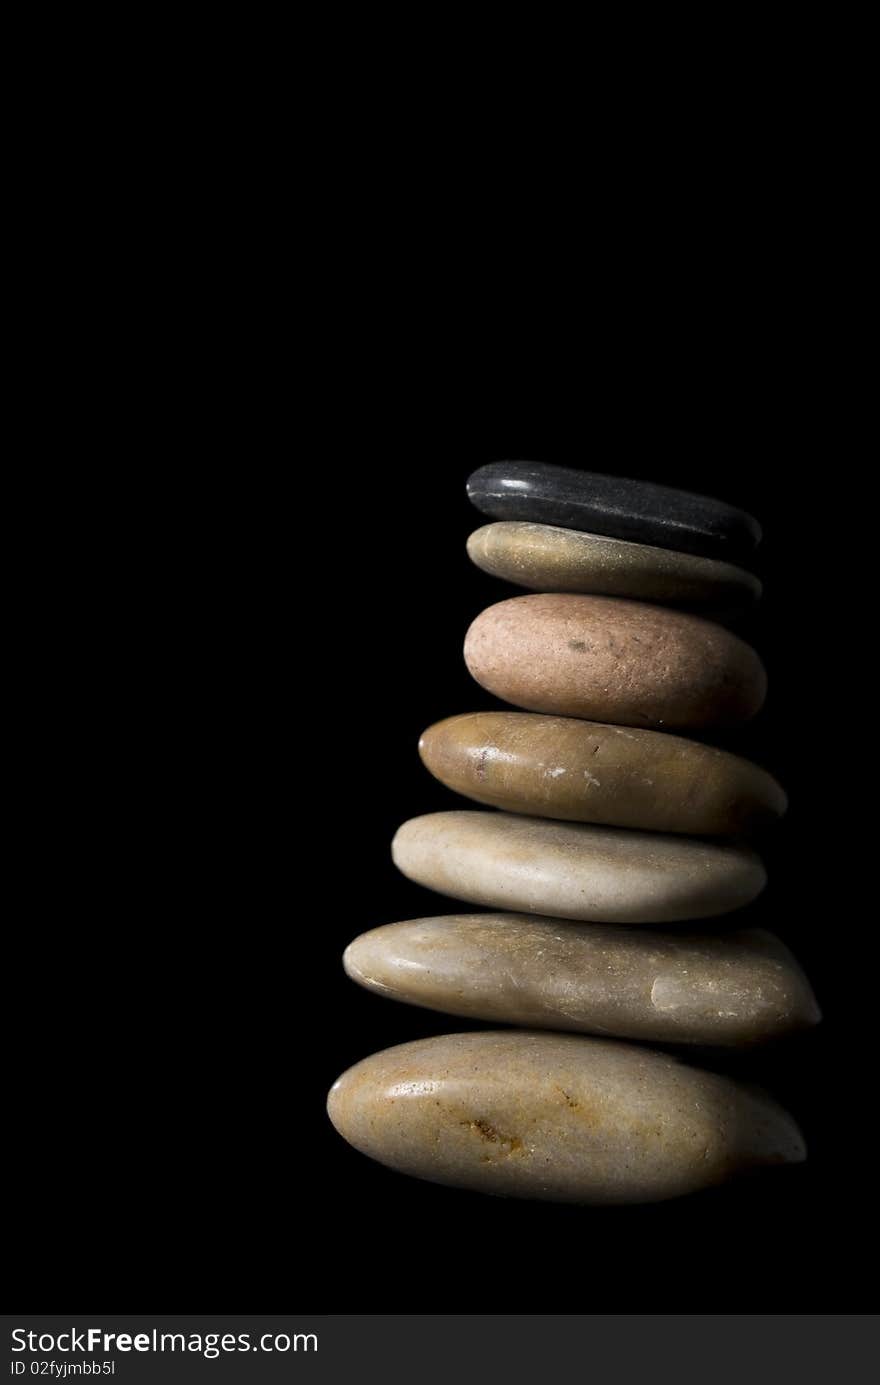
(611, 660)
(545, 558)
(586, 771)
(738, 988)
(558, 1117)
(567, 870)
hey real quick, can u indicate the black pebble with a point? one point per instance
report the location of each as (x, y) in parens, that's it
(612, 505)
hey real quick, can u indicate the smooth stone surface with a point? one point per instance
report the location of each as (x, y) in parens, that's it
(548, 559)
(558, 1117)
(738, 988)
(610, 660)
(613, 505)
(586, 771)
(606, 874)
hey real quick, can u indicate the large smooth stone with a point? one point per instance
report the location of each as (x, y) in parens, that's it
(546, 973)
(607, 874)
(586, 771)
(548, 559)
(614, 505)
(610, 660)
(558, 1117)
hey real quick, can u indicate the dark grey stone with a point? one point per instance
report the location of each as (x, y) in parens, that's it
(617, 506)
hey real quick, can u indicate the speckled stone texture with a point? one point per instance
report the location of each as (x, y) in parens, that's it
(566, 870)
(617, 506)
(618, 661)
(586, 771)
(733, 989)
(548, 559)
(559, 1117)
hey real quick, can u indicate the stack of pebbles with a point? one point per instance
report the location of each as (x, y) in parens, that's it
(610, 819)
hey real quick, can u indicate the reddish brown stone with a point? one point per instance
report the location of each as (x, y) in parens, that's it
(617, 661)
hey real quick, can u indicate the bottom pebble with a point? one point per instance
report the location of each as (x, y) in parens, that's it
(559, 1117)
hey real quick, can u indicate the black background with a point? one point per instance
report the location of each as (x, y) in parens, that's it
(250, 687)
(260, 351)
